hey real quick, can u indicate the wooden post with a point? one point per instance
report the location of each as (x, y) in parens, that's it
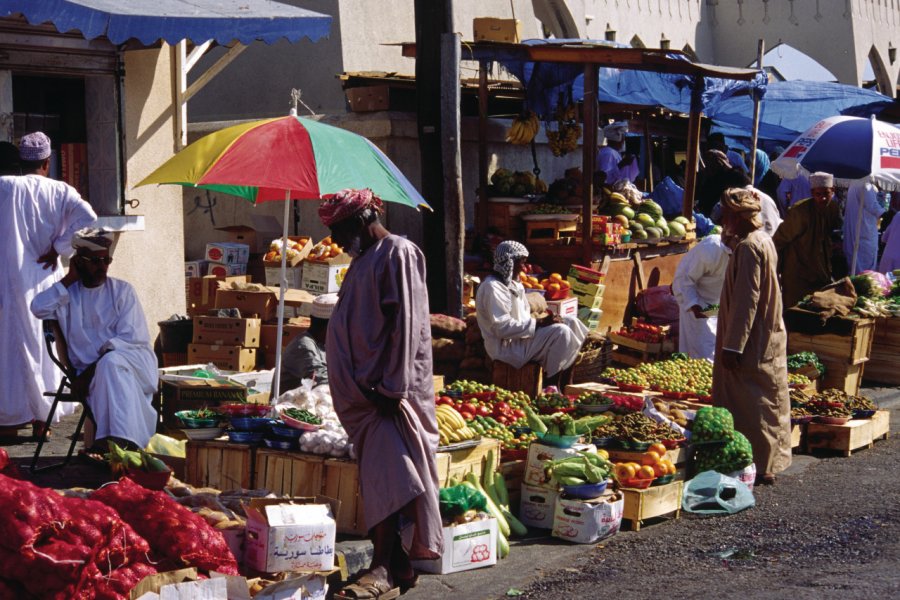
(693, 150)
(648, 144)
(482, 213)
(589, 151)
(454, 215)
(760, 50)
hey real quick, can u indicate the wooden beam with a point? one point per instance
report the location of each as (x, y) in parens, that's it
(760, 51)
(589, 151)
(454, 213)
(213, 70)
(482, 148)
(648, 144)
(693, 152)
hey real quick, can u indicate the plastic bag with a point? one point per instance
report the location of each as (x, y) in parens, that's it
(711, 493)
(669, 196)
(167, 446)
(456, 500)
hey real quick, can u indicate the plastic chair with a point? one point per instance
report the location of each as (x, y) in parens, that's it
(58, 351)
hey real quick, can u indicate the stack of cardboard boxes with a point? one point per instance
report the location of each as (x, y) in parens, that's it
(587, 286)
(227, 258)
(229, 343)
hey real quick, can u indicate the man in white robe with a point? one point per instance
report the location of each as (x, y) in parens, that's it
(890, 259)
(40, 218)
(697, 284)
(861, 213)
(108, 344)
(380, 373)
(510, 333)
(610, 159)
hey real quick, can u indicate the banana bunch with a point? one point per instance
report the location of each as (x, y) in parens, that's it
(451, 426)
(120, 460)
(524, 128)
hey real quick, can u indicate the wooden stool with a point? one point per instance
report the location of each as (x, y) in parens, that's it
(527, 379)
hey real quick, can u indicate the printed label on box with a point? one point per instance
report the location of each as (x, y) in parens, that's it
(585, 522)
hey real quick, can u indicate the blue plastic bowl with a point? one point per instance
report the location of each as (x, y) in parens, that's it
(245, 437)
(603, 442)
(559, 441)
(249, 423)
(863, 413)
(588, 491)
(283, 431)
(281, 444)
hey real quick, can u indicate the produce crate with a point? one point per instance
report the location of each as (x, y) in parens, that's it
(884, 362)
(550, 231)
(513, 473)
(678, 456)
(656, 501)
(627, 342)
(847, 438)
(341, 481)
(528, 379)
(220, 465)
(842, 376)
(881, 425)
(438, 382)
(839, 340)
(504, 217)
(292, 474)
(470, 459)
(797, 434)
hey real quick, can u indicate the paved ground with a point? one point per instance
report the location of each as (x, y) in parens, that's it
(830, 528)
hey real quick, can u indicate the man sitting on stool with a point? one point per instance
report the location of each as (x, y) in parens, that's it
(108, 344)
(304, 357)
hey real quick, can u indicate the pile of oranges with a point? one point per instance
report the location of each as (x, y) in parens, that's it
(653, 464)
(554, 284)
(294, 248)
(324, 250)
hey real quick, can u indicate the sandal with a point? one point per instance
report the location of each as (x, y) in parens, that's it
(766, 479)
(368, 588)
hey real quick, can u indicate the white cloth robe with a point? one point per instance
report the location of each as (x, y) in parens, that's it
(106, 325)
(698, 281)
(608, 159)
(798, 189)
(768, 212)
(39, 213)
(865, 195)
(511, 334)
(890, 259)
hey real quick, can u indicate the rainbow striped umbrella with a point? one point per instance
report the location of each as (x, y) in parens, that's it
(286, 158)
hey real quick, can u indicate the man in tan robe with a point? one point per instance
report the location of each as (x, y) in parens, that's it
(380, 374)
(803, 241)
(750, 371)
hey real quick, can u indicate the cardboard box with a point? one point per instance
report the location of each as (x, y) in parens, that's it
(293, 328)
(469, 546)
(257, 235)
(537, 506)
(587, 301)
(244, 332)
(369, 98)
(297, 257)
(228, 358)
(195, 268)
(263, 304)
(567, 307)
(227, 252)
(293, 276)
(225, 269)
(585, 275)
(195, 394)
(323, 277)
(587, 521)
(294, 535)
(202, 291)
(539, 453)
(491, 29)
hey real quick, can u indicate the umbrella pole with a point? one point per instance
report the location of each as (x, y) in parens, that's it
(760, 51)
(276, 377)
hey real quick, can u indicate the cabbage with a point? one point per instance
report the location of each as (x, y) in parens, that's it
(869, 284)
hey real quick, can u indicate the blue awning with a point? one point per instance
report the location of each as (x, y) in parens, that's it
(172, 21)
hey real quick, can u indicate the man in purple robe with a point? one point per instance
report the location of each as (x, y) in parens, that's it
(380, 374)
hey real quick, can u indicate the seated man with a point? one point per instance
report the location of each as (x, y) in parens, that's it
(108, 343)
(304, 357)
(510, 333)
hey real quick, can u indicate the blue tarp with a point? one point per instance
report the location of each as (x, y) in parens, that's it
(792, 107)
(544, 82)
(147, 21)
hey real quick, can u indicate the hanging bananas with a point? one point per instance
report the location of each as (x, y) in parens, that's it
(568, 131)
(523, 129)
(451, 426)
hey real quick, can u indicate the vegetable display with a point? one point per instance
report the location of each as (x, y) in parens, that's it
(691, 376)
(804, 359)
(737, 454)
(301, 414)
(713, 424)
(581, 469)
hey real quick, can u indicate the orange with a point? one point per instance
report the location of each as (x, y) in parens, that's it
(658, 448)
(660, 469)
(624, 472)
(533, 279)
(646, 472)
(553, 287)
(650, 458)
(335, 248)
(555, 277)
(669, 465)
(327, 240)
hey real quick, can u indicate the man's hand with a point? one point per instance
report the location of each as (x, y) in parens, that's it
(385, 406)
(731, 359)
(627, 160)
(49, 259)
(698, 311)
(549, 319)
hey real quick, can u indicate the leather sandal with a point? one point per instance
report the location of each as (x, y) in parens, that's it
(406, 584)
(368, 588)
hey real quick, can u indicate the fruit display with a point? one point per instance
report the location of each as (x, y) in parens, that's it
(121, 461)
(581, 469)
(798, 380)
(642, 219)
(452, 427)
(294, 249)
(733, 456)
(555, 285)
(593, 399)
(564, 138)
(549, 209)
(509, 440)
(324, 250)
(644, 332)
(515, 183)
(674, 411)
(805, 360)
(523, 129)
(553, 402)
(713, 424)
(691, 376)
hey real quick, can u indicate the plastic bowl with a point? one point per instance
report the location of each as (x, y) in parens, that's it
(637, 484)
(802, 420)
(297, 424)
(281, 444)
(603, 442)
(244, 410)
(628, 387)
(594, 408)
(672, 444)
(249, 423)
(663, 480)
(559, 441)
(863, 413)
(203, 433)
(587, 491)
(635, 446)
(152, 480)
(280, 429)
(195, 423)
(832, 420)
(245, 437)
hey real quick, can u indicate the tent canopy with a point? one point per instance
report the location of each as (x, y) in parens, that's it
(172, 21)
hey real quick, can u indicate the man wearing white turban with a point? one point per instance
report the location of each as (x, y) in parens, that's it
(610, 159)
(40, 217)
(108, 344)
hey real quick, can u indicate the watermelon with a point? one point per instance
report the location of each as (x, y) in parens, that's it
(639, 234)
(663, 226)
(646, 220)
(651, 208)
(682, 219)
(653, 233)
(677, 228)
(635, 225)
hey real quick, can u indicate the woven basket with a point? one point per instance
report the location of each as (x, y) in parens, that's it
(591, 363)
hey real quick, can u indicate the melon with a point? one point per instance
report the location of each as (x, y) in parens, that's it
(682, 219)
(663, 226)
(651, 208)
(635, 225)
(653, 233)
(639, 234)
(645, 220)
(676, 228)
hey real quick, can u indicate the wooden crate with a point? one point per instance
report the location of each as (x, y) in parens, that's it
(627, 342)
(220, 465)
(340, 480)
(550, 232)
(655, 501)
(504, 217)
(678, 456)
(881, 425)
(471, 460)
(842, 376)
(884, 362)
(289, 473)
(847, 438)
(852, 344)
(438, 382)
(528, 379)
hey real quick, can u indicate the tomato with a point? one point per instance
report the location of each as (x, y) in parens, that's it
(502, 406)
(469, 408)
(484, 410)
(445, 400)
(520, 414)
(466, 415)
